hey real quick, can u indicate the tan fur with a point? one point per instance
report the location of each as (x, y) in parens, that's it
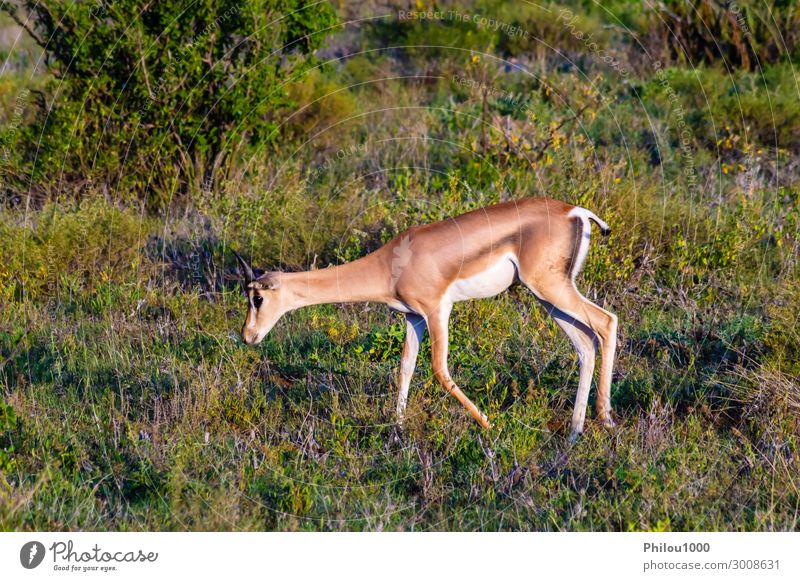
(416, 273)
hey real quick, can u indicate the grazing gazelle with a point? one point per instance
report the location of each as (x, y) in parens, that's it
(423, 271)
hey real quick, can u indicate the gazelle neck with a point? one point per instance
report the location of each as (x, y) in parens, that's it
(364, 280)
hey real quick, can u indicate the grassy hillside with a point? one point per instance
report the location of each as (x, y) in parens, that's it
(129, 402)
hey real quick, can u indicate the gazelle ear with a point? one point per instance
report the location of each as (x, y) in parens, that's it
(247, 272)
(267, 281)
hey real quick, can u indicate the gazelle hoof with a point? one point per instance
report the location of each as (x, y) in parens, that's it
(609, 423)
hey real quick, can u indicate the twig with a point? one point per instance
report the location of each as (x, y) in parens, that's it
(543, 148)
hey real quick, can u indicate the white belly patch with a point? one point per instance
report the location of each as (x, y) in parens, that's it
(488, 283)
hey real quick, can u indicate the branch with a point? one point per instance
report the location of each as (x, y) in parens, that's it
(144, 64)
(42, 99)
(187, 166)
(23, 25)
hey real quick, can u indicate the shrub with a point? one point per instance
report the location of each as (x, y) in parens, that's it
(164, 94)
(729, 112)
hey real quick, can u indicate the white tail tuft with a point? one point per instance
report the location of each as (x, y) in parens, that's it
(605, 229)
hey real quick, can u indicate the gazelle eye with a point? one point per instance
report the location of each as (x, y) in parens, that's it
(257, 300)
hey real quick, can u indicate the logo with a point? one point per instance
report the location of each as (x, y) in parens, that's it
(31, 555)
(402, 256)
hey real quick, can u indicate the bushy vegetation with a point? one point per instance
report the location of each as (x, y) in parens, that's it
(129, 403)
(161, 96)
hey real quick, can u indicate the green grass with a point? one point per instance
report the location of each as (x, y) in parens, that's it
(130, 403)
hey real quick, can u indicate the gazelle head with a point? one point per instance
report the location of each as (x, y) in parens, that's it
(264, 304)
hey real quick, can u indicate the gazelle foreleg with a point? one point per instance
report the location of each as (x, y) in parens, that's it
(415, 330)
(438, 321)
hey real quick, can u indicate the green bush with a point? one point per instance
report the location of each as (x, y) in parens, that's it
(730, 112)
(158, 97)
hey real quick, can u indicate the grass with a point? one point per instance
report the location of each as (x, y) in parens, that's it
(136, 407)
(129, 403)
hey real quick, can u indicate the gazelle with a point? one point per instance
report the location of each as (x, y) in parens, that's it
(539, 242)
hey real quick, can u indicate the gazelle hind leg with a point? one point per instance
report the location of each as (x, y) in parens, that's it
(584, 341)
(438, 321)
(604, 324)
(415, 330)
(603, 403)
(563, 295)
